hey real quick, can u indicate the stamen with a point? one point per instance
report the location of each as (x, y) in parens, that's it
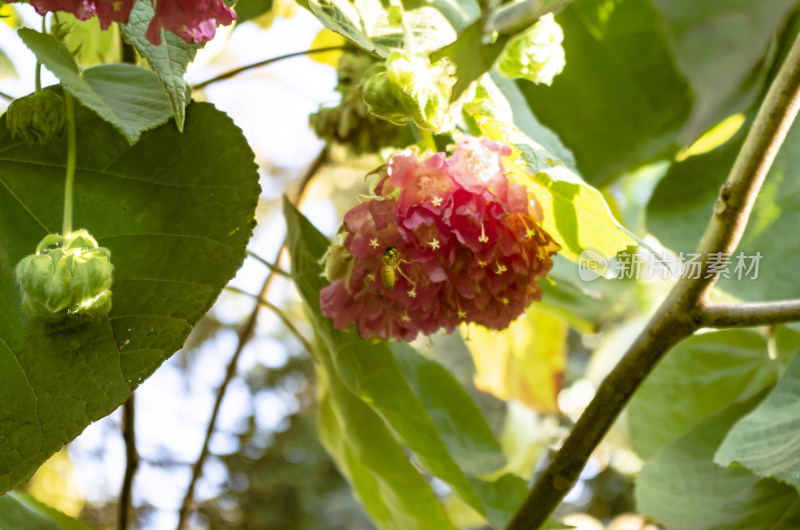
(434, 243)
(529, 232)
(374, 242)
(483, 238)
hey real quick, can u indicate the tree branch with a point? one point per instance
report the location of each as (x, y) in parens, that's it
(236, 71)
(132, 461)
(280, 314)
(681, 314)
(750, 315)
(187, 506)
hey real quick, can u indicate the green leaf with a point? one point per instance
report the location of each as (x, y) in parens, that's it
(250, 9)
(387, 484)
(91, 44)
(366, 23)
(461, 424)
(168, 61)
(575, 213)
(718, 46)
(471, 57)
(127, 96)
(502, 497)
(176, 211)
(525, 120)
(620, 100)
(767, 440)
(371, 373)
(21, 511)
(683, 202)
(682, 488)
(698, 378)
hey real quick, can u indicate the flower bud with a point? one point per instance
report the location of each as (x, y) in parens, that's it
(350, 123)
(69, 276)
(409, 88)
(37, 117)
(535, 54)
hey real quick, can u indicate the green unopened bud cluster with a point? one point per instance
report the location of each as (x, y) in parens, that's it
(350, 123)
(36, 118)
(408, 88)
(535, 54)
(69, 276)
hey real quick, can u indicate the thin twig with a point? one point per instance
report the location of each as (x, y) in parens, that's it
(681, 314)
(132, 461)
(235, 71)
(750, 315)
(7, 96)
(271, 266)
(280, 314)
(187, 506)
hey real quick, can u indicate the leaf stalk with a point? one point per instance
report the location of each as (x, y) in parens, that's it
(71, 155)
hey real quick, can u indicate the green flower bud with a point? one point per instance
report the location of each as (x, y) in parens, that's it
(407, 87)
(338, 263)
(37, 117)
(535, 54)
(350, 123)
(69, 276)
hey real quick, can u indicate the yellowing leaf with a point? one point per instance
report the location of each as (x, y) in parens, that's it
(54, 485)
(524, 362)
(280, 8)
(575, 213)
(324, 39)
(9, 15)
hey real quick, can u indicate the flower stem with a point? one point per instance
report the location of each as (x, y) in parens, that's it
(66, 227)
(38, 64)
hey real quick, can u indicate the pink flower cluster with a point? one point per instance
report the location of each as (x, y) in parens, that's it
(192, 20)
(464, 245)
(107, 11)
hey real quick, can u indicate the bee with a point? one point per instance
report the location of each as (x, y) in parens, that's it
(389, 262)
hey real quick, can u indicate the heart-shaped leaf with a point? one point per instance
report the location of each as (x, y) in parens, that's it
(176, 211)
(128, 97)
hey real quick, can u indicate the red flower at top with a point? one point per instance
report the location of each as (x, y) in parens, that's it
(445, 241)
(192, 20)
(107, 11)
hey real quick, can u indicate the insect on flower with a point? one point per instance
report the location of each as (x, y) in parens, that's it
(466, 242)
(390, 262)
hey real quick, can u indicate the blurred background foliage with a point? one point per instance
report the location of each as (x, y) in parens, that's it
(653, 103)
